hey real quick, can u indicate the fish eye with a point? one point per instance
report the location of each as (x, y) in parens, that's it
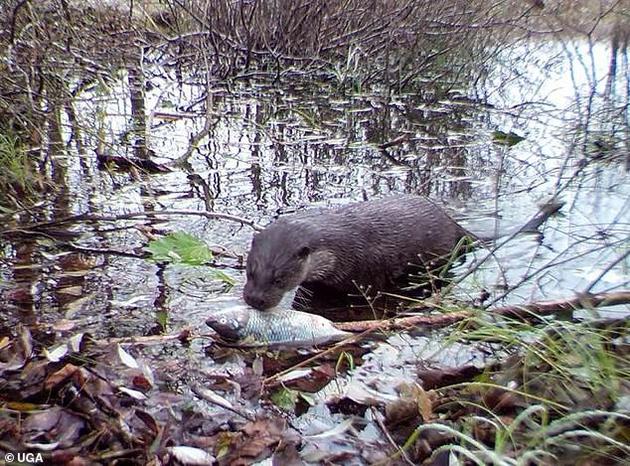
(223, 321)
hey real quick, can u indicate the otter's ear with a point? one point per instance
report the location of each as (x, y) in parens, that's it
(303, 252)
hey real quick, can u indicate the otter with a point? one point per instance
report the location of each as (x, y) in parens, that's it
(370, 244)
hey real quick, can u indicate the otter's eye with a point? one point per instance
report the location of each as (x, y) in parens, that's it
(278, 281)
(303, 252)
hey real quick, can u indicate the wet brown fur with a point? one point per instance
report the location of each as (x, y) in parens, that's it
(368, 243)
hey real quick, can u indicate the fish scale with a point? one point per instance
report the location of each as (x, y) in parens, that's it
(277, 327)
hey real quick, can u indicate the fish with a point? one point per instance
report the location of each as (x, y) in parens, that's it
(275, 327)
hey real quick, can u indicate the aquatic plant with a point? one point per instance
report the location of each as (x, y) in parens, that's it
(531, 437)
(183, 248)
(16, 172)
(180, 247)
(551, 392)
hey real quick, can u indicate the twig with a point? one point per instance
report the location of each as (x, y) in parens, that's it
(150, 339)
(543, 213)
(332, 349)
(403, 323)
(401, 452)
(582, 301)
(525, 312)
(554, 262)
(131, 215)
(199, 213)
(219, 401)
(621, 258)
(106, 251)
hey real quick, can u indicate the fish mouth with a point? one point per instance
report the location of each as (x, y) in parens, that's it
(227, 324)
(248, 327)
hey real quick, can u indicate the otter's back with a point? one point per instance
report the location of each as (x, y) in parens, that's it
(374, 242)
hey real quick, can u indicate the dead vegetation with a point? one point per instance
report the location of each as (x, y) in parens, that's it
(550, 391)
(54, 50)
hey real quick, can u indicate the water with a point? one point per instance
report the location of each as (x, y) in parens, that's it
(258, 150)
(270, 150)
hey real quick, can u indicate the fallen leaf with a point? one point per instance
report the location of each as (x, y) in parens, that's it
(191, 456)
(257, 366)
(75, 342)
(135, 394)
(60, 376)
(262, 433)
(284, 398)
(314, 380)
(73, 306)
(26, 341)
(127, 359)
(257, 440)
(53, 428)
(212, 397)
(286, 454)
(56, 354)
(424, 403)
(334, 432)
(180, 247)
(42, 446)
(148, 420)
(130, 302)
(401, 412)
(21, 406)
(147, 372)
(4, 342)
(64, 325)
(141, 383)
(76, 290)
(436, 378)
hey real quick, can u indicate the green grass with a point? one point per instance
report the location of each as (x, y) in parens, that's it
(530, 437)
(565, 384)
(16, 174)
(555, 357)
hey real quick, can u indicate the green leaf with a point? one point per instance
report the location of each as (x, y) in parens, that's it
(285, 398)
(224, 277)
(506, 139)
(180, 247)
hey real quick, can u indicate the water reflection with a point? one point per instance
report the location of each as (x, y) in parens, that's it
(262, 150)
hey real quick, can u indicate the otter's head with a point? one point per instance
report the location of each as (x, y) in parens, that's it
(278, 262)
